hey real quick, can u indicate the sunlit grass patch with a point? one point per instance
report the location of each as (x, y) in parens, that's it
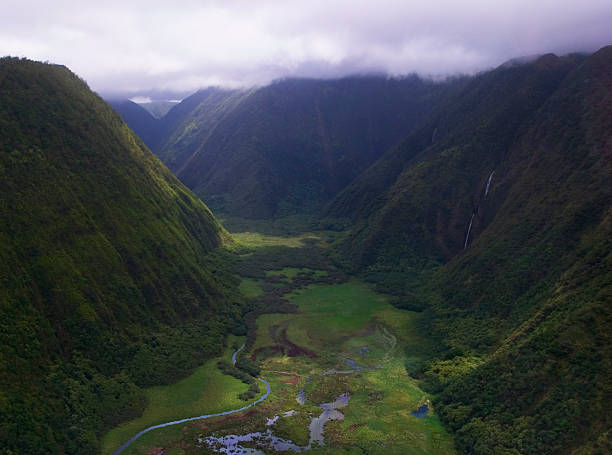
(206, 391)
(264, 322)
(255, 240)
(337, 309)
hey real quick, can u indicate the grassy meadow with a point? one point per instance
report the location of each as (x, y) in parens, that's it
(338, 336)
(206, 391)
(337, 322)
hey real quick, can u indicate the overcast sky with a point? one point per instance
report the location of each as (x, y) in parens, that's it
(134, 46)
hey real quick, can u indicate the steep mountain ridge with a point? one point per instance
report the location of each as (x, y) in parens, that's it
(108, 273)
(140, 120)
(192, 124)
(420, 195)
(523, 304)
(287, 148)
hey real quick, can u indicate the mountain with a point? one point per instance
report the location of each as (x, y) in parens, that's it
(109, 274)
(484, 203)
(420, 196)
(289, 147)
(159, 108)
(495, 219)
(189, 125)
(141, 121)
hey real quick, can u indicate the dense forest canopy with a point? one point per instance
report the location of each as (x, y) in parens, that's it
(108, 269)
(482, 203)
(491, 215)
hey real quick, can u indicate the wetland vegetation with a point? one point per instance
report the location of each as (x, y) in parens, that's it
(333, 339)
(463, 278)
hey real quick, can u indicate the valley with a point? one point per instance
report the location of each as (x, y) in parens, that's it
(487, 219)
(391, 265)
(341, 341)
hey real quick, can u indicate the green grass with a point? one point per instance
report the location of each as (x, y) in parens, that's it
(254, 240)
(339, 315)
(250, 288)
(332, 311)
(294, 428)
(264, 323)
(383, 399)
(206, 391)
(337, 321)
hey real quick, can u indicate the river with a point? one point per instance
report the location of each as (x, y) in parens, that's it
(206, 416)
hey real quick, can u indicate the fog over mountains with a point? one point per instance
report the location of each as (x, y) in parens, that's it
(133, 47)
(337, 226)
(491, 214)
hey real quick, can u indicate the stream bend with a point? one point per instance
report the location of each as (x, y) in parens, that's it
(206, 416)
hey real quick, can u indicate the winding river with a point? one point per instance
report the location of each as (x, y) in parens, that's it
(236, 353)
(206, 416)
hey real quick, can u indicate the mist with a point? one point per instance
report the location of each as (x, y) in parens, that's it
(144, 47)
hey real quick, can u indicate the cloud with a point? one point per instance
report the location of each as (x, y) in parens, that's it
(135, 46)
(141, 99)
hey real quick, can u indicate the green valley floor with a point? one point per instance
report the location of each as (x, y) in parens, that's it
(341, 344)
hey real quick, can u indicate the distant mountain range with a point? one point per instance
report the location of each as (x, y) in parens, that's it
(159, 108)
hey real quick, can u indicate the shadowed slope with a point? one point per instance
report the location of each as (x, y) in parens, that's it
(288, 147)
(140, 120)
(522, 161)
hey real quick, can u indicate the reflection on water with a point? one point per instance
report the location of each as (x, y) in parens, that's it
(421, 411)
(301, 397)
(329, 413)
(231, 444)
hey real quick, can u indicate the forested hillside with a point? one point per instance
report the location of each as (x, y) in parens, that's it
(287, 148)
(414, 205)
(510, 190)
(108, 274)
(484, 203)
(139, 119)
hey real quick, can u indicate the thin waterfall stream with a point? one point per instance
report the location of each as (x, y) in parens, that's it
(484, 196)
(467, 236)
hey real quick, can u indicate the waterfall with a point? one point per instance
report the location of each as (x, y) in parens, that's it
(488, 183)
(486, 192)
(467, 236)
(433, 135)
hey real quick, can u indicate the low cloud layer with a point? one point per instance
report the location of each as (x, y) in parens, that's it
(134, 47)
